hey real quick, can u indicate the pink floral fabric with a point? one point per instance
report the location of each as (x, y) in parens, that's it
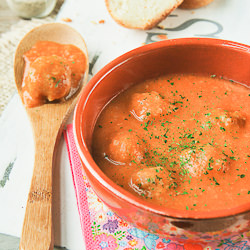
(103, 230)
(102, 241)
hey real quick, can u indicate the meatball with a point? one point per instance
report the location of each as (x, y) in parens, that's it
(226, 120)
(151, 104)
(153, 182)
(126, 147)
(232, 119)
(48, 78)
(203, 160)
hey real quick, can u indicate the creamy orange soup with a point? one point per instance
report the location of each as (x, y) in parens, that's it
(180, 141)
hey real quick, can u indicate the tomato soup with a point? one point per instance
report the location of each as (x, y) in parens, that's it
(179, 141)
(52, 72)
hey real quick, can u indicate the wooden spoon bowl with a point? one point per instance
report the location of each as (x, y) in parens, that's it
(47, 122)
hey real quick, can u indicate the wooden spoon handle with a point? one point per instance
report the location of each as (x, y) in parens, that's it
(37, 233)
(37, 227)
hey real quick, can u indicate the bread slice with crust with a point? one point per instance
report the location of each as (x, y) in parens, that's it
(194, 4)
(140, 14)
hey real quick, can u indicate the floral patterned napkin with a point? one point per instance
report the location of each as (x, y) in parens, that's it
(103, 230)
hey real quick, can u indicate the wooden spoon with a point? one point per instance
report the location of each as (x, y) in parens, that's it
(47, 122)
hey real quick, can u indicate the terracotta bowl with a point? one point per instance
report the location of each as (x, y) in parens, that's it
(190, 55)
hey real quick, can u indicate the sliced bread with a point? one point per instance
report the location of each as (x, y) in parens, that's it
(194, 4)
(140, 14)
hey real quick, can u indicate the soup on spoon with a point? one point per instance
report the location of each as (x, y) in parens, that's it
(53, 71)
(48, 105)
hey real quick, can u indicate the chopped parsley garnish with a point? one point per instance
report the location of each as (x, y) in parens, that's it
(241, 175)
(223, 129)
(216, 183)
(53, 78)
(57, 83)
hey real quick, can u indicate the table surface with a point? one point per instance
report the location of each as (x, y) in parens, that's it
(105, 41)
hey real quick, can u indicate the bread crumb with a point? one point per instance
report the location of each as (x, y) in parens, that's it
(102, 21)
(162, 37)
(160, 27)
(67, 20)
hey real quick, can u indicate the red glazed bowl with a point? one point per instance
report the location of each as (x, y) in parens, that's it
(190, 55)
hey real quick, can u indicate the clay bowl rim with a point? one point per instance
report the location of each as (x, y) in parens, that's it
(96, 172)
